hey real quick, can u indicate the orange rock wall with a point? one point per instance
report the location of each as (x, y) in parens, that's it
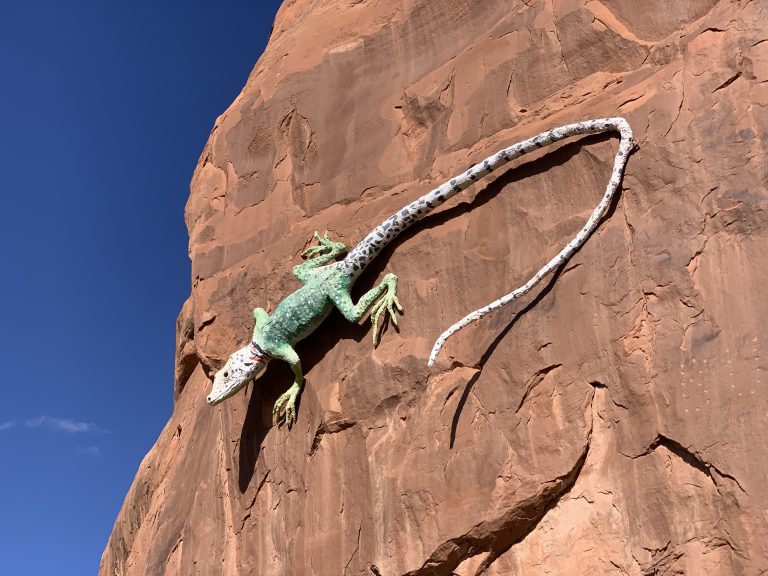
(614, 422)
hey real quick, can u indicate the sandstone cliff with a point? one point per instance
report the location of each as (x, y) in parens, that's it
(612, 423)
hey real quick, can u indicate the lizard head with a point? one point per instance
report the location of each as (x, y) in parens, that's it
(243, 366)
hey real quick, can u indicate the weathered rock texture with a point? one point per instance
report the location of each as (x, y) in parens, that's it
(613, 423)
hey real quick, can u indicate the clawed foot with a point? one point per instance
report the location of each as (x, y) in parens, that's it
(387, 303)
(325, 246)
(284, 411)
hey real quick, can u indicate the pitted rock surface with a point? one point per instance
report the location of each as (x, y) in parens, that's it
(613, 422)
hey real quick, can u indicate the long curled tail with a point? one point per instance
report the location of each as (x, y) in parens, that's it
(545, 138)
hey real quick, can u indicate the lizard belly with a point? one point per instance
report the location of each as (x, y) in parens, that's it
(296, 317)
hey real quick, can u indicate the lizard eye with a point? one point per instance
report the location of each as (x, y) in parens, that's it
(226, 374)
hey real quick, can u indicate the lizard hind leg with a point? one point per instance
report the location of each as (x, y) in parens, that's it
(324, 247)
(318, 255)
(385, 293)
(388, 303)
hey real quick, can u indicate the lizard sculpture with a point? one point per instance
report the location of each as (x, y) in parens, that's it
(327, 283)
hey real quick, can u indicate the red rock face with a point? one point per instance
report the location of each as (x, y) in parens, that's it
(612, 423)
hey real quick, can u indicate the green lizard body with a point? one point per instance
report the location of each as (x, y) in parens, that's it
(324, 286)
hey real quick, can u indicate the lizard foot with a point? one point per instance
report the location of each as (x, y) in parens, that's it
(387, 303)
(325, 246)
(284, 411)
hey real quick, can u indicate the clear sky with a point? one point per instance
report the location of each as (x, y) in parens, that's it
(105, 109)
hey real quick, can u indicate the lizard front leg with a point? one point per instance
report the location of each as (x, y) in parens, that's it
(317, 256)
(284, 411)
(355, 312)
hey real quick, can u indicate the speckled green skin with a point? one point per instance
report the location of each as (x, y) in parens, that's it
(324, 286)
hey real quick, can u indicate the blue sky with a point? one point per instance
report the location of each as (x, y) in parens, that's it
(106, 107)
